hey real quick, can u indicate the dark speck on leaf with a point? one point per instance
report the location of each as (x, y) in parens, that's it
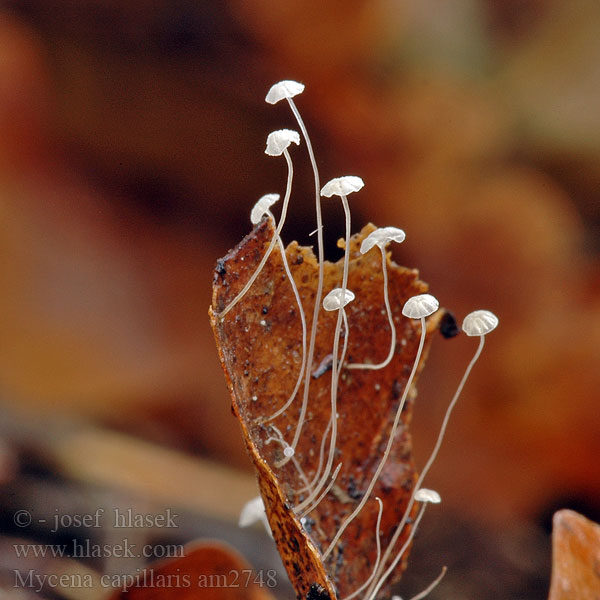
(396, 389)
(317, 592)
(220, 268)
(351, 489)
(265, 310)
(448, 326)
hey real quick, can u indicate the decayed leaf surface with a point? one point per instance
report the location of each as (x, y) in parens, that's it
(259, 342)
(208, 571)
(575, 557)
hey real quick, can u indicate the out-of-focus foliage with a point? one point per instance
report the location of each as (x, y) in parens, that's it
(131, 151)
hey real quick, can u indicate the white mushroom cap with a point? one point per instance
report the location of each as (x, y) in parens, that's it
(252, 512)
(479, 322)
(381, 237)
(425, 495)
(262, 205)
(342, 186)
(333, 300)
(284, 89)
(420, 306)
(279, 140)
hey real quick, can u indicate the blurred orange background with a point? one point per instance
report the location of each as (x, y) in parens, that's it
(131, 152)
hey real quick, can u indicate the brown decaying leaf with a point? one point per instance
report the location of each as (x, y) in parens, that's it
(575, 557)
(208, 571)
(259, 342)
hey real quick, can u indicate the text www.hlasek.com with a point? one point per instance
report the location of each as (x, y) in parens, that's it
(87, 549)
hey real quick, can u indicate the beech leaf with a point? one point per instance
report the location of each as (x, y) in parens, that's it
(260, 345)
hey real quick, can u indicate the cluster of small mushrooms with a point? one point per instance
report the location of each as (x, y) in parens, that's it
(477, 324)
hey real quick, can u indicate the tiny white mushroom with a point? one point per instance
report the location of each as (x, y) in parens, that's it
(262, 206)
(342, 186)
(253, 512)
(491, 321)
(417, 307)
(279, 141)
(337, 298)
(284, 89)
(426, 495)
(420, 306)
(289, 89)
(277, 144)
(381, 238)
(479, 322)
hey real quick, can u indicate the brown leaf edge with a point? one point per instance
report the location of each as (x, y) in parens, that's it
(575, 557)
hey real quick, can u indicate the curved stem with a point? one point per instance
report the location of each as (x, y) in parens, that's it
(431, 586)
(303, 320)
(320, 466)
(294, 460)
(334, 369)
(329, 424)
(288, 191)
(324, 493)
(346, 336)
(396, 560)
(321, 261)
(378, 542)
(386, 300)
(435, 450)
(388, 447)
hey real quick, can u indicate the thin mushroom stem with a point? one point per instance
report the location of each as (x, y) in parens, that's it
(286, 199)
(321, 262)
(331, 419)
(320, 466)
(449, 410)
(331, 425)
(303, 320)
(388, 309)
(435, 450)
(431, 586)
(377, 560)
(346, 336)
(285, 445)
(334, 369)
(388, 448)
(323, 493)
(396, 560)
